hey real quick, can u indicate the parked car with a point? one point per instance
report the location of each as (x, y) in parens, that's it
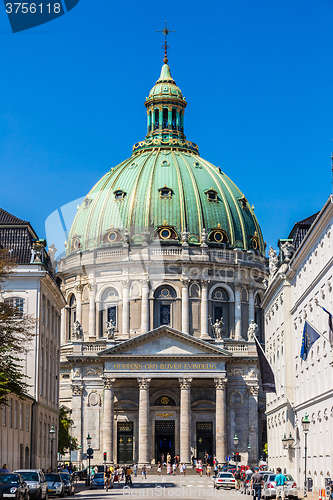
(69, 484)
(82, 474)
(232, 470)
(13, 486)
(224, 480)
(36, 482)
(55, 484)
(269, 488)
(97, 481)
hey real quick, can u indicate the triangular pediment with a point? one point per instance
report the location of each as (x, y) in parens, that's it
(165, 341)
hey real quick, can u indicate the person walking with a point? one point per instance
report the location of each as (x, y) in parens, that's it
(116, 478)
(208, 469)
(4, 469)
(159, 468)
(174, 468)
(128, 473)
(107, 478)
(256, 483)
(144, 472)
(280, 481)
(135, 467)
(238, 479)
(168, 458)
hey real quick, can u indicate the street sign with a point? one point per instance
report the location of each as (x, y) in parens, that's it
(227, 459)
(90, 452)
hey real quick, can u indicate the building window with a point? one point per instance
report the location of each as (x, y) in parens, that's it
(71, 314)
(157, 119)
(15, 414)
(21, 416)
(164, 401)
(17, 303)
(165, 118)
(10, 412)
(165, 296)
(27, 418)
(48, 315)
(40, 438)
(165, 316)
(52, 320)
(211, 194)
(220, 306)
(5, 415)
(119, 195)
(174, 120)
(43, 309)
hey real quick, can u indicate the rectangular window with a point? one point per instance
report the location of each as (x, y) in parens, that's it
(16, 414)
(10, 409)
(40, 438)
(27, 418)
(21, 416)
(48, 314)
(4, 415)
(44, 450)
(165, 315)
(43, 309)
(52, 320)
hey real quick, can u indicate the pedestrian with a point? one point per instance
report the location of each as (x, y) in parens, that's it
(162, 459)
(123, 470)
(256, 483)
(238, 479)
(184, 469)
(107, 478)
(174, 468)
(199, 467)
(128, 472)
(116, 476)
(208, 469)
(4, 468)
(135, 467)
(159, 468)
(181, 470)
(144, 472)
(168, 458)
(280, 481)
(168, 468)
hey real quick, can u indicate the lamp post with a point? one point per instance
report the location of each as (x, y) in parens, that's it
(236, 443)
(52, 436)
(248, 454)
(89, 444)
(306, 426)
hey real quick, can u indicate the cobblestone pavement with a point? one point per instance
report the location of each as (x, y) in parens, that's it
(194, 487)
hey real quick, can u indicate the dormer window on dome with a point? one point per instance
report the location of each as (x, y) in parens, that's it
(165, 192)
(218, 235)
(166, 232)
(211, 195)
(119, 194)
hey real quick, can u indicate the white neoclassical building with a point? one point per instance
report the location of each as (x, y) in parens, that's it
(300, 282)
(163, 273)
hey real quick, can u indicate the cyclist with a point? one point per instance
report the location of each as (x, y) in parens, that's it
(107, 478)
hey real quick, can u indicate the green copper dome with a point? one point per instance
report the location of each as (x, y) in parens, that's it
(165, 191)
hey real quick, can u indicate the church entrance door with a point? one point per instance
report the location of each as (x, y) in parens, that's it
(125, 442)
(204, 440)
(164, 439)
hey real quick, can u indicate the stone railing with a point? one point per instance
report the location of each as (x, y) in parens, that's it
(237, 347)
(166, 251)
(109, 253)
(92, 347)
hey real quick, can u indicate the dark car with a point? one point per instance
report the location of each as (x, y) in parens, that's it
(55, 485)
(36, 483)
(13, 486)
(68, 483)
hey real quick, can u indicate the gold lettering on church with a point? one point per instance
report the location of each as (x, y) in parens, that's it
(164, 366)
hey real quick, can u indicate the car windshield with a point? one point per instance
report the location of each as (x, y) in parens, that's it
(225, 474)
(272, 477)
(289, 477)
(53, 477)
(9, 478)
(66, 477)
(99, 476)
(29, 476)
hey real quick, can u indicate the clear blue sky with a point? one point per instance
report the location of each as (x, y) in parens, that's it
(257, 77)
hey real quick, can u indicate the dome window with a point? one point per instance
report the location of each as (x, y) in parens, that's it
(165, 192)
(243, 201)
(166, 232)
(211, 195)
(254, 242)
(218, 235)
(111, 236)
(197, 164)
(119, 195)
(133, 164)
(76, 244)
(165, 163)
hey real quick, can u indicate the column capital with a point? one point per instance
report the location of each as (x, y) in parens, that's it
(108, 382)
(79, 288)
(185, 282)
(253, 389)
(77, 390)
(204, 283)
(185, 383)
(144, 383)
(144, 282)
(125, 283)
(221, 383)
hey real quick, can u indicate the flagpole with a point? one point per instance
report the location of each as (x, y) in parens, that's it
(276, 378)
(322, 335)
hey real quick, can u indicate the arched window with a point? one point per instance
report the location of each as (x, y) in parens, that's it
(164, 401)
(220, 304)
(157, 118)
(108, 312)
(165, 296)
(17, 303)
(259, 316)
(165, 118)
(71, 314)
(149, 121)
(174, 120)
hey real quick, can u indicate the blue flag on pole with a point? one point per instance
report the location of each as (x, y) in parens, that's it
(309, 338)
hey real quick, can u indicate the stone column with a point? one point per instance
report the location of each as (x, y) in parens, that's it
(169, 118)
(144, 457)
(253, 420)
(251, 304)
(92, 313)
(221, 419)
(79, 289)
(126, 311)
(108, 418)
(238, 313)
(161, 118)
(63, 336)
(185, 306)
(145, 306)
(185, 420)
(76, 415)
(204, 309)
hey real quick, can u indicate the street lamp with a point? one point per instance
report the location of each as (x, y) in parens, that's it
(236, 443)
(52, 436)
(89, 444)
(306, 426)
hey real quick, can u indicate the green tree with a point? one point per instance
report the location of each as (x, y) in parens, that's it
(66, 442)
(16, 333)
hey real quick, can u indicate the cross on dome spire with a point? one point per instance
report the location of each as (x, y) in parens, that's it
(165, 46)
